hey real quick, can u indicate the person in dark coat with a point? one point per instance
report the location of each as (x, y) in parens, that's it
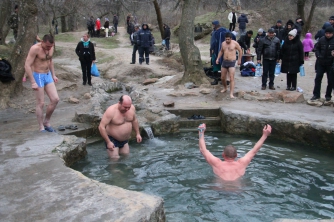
(260, 34)
(242, 20)
(86, 52)
(245, 42)
(166, 35)
(279, 29)
(292, 56)
(144, 42)
(115, 22)
(321, 32)
(133, 38)
(288, 27)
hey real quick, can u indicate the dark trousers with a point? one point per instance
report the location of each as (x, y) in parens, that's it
(86, 65)
(232, 26)
(291, 80)
(15, 31)
(143, 50)
(134, 51)
(167, 43)
(115, 26)
(321, 69)
(268, 68)
(91, 32)
(56, 29)
(97, 33)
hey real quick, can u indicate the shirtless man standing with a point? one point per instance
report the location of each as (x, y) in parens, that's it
(40, 70)
(116, 126)
(230, 169)
(228, 49)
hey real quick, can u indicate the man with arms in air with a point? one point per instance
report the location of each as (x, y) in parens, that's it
(228, 50)
(116, 126)
(40, 70)
(230, 169)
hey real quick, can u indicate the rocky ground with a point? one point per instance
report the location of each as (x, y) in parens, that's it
(75, 97)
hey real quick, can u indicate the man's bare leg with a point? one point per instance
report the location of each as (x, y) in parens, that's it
(39, 94)
(231, 71)
(113, 154)
(223, 78)
(125, 150)
(51, 91)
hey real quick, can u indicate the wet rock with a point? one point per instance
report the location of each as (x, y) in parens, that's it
(205, 91)
(292, 97)
(169, 104)
(315, 102)
(73, 100)
(150, 81)
(87, 96)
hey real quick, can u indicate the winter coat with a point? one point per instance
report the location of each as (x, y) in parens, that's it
(323, 51)
(242, 20)
(80, 50)
(106, 24)
(308, 43)
(134, 37)
(167, 32)
(230, 17)
(218, 36)
(270, 48)
(115, 20)
(244, 41)
(292, 56)
(258, 38)
(286, 31)
(279, 31)
(98, 24)
(321, 32)
(144, 38)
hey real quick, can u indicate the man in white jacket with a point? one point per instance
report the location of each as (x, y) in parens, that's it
(232, 17)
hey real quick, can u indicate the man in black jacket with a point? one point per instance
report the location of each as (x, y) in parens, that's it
(324, 55)
(144, 41)
(115, 22)
(269, 47)
(244, 41)
(133, 38)
(166, 35)
(279, 30)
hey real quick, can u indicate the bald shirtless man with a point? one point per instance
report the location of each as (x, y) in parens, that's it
(116, 127)
(40, 70)
(230, 169)
(228, 50)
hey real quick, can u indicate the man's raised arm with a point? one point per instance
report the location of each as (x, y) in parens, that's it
(249, 156)
(211, 159)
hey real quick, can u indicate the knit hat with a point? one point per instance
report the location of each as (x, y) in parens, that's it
(260, 30)
(271, 30)
(293, 32)
(279, 21)
(329, 29)
(216, 22)
(331, 18)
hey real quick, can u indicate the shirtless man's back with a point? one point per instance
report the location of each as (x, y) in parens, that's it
(230, 169)
(40, 70)
(228, 51)
(116, 126)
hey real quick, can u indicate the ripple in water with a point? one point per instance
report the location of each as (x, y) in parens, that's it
(282, 181)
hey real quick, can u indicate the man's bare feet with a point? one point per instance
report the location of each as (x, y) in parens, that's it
(224, 90)
(231, 95)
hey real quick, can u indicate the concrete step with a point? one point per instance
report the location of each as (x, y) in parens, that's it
(185, 113)
(208, 129)
(191, 123)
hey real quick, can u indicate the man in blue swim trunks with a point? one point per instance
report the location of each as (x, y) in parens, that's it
(40, 70)
(116, 126)
(228, 51)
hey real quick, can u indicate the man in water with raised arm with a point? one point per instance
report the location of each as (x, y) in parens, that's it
(40, 70)
(116, 126)
(228, 51)
(230, 169)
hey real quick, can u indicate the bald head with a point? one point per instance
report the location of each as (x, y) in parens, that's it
(230, 152)
(124, 103)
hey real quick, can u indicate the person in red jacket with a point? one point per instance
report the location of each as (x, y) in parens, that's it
(98, 27)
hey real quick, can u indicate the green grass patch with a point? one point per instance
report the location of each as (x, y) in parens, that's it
(106, 59)
(107, 43)
(65, 37)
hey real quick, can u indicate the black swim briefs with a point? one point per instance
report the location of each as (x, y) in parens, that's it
(119, 144)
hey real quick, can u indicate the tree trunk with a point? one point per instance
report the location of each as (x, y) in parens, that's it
(300, 9)
(190, 53)
(159, 18)
(5, 7)
(26, 36)
(71, 23)
(63, 23)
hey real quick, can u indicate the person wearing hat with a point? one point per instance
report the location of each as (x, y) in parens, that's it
(144, 42)
(323, 52)
(269, 51)
(331, 20)
(279, 29)
(260, 34)
(292, 56)
(115, 22)
(232, 17)
(288, 27)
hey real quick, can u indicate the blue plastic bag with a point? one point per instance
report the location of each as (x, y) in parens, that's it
(163, 42)
(94, 71)
(302, 70)
(278, 69)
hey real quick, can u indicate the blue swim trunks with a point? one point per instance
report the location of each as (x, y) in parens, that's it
(117, 143)
(42, 79)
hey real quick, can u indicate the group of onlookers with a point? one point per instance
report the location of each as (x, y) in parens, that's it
(94, 26)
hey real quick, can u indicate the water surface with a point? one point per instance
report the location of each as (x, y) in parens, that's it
(283, 180)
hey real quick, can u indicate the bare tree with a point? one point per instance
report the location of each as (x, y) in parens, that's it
(190, 53)
(159, 18)
(301, 12)
(26, 36)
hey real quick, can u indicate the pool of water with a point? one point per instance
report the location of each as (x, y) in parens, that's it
(283, 180)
